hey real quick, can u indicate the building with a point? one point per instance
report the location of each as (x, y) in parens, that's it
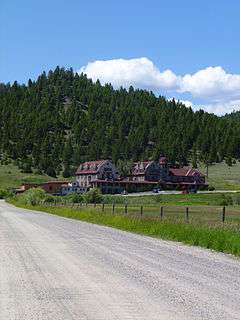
(145, 176)
(51, 187)
(119, 186)
(168, 177)
(150, 171)
(71, 187)
(90, 171)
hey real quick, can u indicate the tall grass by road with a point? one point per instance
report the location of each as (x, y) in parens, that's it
(217, 237)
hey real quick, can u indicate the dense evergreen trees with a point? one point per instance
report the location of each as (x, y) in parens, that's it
(64, 118)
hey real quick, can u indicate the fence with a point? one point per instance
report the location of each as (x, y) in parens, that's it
(190, 214)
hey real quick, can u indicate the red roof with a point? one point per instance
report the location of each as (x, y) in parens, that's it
(89, 167)
(184, 172)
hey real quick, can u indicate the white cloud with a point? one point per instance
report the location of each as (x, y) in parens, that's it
(140, 72)
(217, 108)
(220, 90)
(187, 103)
(212, 83)
(221, 108)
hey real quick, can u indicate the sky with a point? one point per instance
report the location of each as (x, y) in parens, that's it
(187, 50)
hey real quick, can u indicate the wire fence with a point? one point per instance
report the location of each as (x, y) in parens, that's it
(188, 214)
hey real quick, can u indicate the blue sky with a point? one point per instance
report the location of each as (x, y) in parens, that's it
(182, 36)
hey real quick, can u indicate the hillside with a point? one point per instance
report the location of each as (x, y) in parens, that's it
(62, 118)
(12, 177)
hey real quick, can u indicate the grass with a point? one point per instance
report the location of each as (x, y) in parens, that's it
(198, 215)
(12, 177)
(201, 199)
(223, 177)
(218, 237)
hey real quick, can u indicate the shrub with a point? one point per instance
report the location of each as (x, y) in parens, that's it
(26, 167)
(158, 198)
(108, 198)
(226, 200)
(93, 196)
(33, 196)
(237, 199)
(3, 193)
(38, 172)
(74, 197)
(50, 171)
(49, 199)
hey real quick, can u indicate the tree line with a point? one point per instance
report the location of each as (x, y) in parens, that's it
(63, 118)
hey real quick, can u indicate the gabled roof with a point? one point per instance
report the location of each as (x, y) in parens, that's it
(90, 167)
(185, 172)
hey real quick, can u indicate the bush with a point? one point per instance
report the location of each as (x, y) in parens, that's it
(38, 172)
(226, 200)
(211, 188)
(51, 172)
(49, 199)
(3, 193)
(33, 196)
(26, 167)
(237, 199)
(74, 197)
(93, 196)
(158, 198)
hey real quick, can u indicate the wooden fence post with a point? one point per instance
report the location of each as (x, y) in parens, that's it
(126, 208)
(223, 214)
(113, 208)
(103, 207)
(141, 211)
(94, 204)
(161, 213)
(187, 215)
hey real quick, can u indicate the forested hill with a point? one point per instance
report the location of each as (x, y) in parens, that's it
(64, 118)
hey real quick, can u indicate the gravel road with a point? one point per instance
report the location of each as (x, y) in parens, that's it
(59, 269)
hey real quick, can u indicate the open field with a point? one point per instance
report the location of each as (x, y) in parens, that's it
(196, 215)
(201, 199)
(223, 177)
(12, 177)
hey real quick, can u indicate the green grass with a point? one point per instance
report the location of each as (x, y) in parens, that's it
(223, 177)
(201, 199)
(217, 236)
(12, 177)
(198, 215)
